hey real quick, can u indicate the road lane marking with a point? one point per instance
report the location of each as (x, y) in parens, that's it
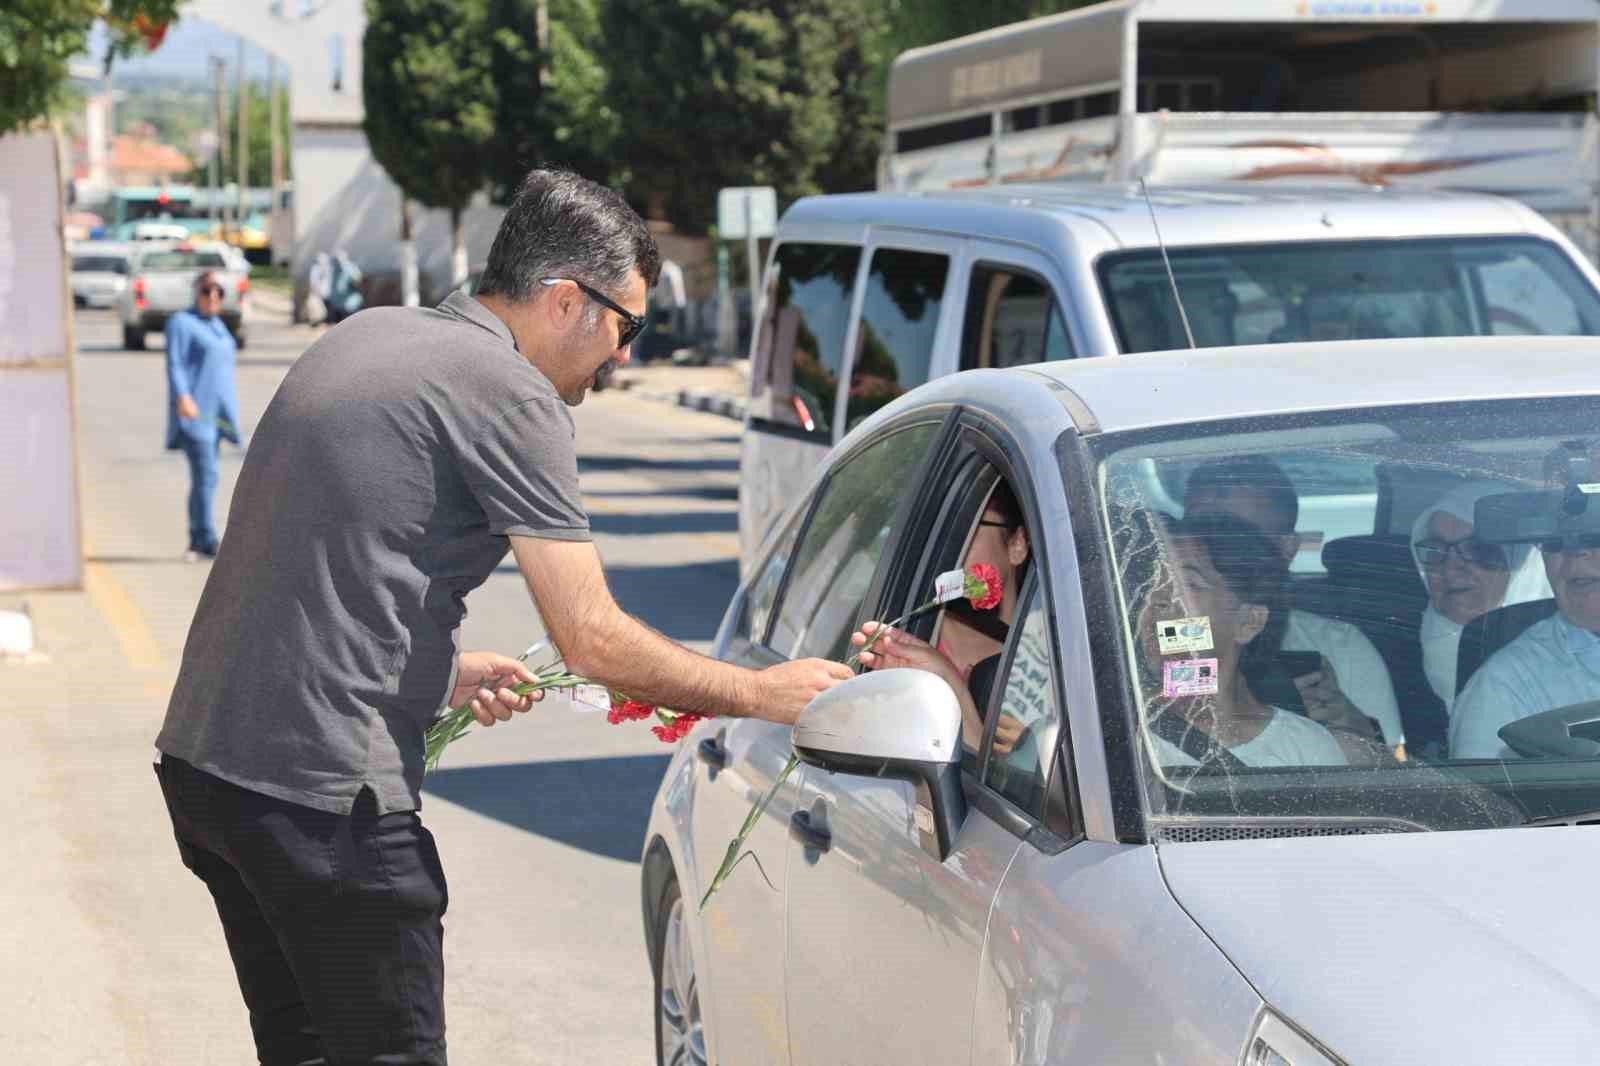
(111, 596)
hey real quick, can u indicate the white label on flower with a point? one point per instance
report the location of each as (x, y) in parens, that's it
(949, 585)
(1183, 635)
(1189, 677)
(587, 698)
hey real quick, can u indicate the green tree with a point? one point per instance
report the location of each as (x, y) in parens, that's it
(720, 92)
(431, 100)
(39, 37)
(554, 109)
(259, 136)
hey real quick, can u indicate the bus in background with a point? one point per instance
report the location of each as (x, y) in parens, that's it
(1481, 95)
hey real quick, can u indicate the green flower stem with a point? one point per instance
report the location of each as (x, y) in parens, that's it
(453, 723)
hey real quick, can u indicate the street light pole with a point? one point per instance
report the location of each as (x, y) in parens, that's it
(214, 200)
(243, 89)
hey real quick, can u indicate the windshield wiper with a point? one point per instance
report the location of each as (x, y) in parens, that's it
(1576, 818)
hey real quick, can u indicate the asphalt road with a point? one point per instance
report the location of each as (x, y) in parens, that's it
(116, 952)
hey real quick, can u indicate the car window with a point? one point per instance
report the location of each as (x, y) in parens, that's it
(1011, 319)
(899, 321)
(1267, 294)
(800, 348)
(1027, 704)
(104, 264)
(763, 592)
(839, 552)
(181, 260)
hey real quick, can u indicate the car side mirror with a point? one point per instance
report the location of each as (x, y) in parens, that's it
(902, 724)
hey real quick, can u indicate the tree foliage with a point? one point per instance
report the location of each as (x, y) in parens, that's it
(39, 37)
(430, 94)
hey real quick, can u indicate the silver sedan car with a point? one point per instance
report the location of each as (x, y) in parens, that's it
(1281, 746)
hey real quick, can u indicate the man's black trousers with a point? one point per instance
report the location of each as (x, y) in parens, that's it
(333, 921)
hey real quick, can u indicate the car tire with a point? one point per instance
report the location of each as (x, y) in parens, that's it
(133, 339)
(240, 336)
(680, 1034)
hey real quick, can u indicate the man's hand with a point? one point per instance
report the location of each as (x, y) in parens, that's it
(187, 408)
(788, 687)
(487, 678)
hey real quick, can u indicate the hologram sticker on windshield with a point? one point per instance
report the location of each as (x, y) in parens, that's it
(1189, 677)
(1183, 635)
(949, 585)
(588, 698)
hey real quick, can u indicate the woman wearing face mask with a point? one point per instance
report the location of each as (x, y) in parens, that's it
(1466, 578)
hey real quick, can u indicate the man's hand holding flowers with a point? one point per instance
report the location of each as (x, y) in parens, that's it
(485, 678)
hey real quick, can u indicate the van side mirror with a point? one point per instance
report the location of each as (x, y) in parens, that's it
(902, 724)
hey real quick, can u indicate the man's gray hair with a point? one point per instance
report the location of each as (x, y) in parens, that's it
(560, 225)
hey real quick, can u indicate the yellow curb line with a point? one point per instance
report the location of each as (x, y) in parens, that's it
(139, 645)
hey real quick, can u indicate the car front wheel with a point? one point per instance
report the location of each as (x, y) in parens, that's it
(680, 1036)
(133, 339)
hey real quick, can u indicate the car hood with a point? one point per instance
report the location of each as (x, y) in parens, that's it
(1466, 947)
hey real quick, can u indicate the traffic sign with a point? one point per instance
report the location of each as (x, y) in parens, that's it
(747, 212)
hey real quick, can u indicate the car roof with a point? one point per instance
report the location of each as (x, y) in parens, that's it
(1117, 216)
(1147, 390)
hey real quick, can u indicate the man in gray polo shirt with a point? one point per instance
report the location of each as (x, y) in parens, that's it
(403, 455)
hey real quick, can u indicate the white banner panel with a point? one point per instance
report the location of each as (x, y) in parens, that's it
(39, 540)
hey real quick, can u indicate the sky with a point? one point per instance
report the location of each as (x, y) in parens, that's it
(188, 42)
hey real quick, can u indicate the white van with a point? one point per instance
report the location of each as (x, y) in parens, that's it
(870, 295)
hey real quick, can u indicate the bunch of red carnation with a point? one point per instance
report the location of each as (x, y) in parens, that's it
(672, 725)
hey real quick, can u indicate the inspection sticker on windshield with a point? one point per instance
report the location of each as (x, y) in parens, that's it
(1189, 677)
(588, 698)
(1183, 635)
(949, 585)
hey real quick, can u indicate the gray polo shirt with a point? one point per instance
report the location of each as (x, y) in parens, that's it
(379, 489)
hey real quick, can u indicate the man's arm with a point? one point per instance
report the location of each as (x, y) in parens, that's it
(604, 643)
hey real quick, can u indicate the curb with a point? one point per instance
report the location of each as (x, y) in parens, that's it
(713, 403)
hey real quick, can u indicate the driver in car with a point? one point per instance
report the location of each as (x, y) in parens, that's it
(1226, 571)
(1554, 663)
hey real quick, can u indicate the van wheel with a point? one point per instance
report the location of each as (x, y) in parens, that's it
(133, 339)
(680, 1035)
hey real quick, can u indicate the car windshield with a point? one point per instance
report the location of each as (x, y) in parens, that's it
(99, 264)
(1267, 294)
(182, 260)
(1386, 617)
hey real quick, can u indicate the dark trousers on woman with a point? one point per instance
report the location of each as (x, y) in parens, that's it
(202, 456)
(333, 921)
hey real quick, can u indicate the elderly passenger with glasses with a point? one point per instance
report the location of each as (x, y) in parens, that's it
(1466, 578)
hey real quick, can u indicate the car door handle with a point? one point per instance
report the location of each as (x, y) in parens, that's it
(712, 753)
(814, 837)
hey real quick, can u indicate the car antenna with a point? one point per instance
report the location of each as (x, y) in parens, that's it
(1171, 278)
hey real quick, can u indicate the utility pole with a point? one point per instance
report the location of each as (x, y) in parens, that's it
(215, 199)
(276, 220)
(242, 87)
(541, 31)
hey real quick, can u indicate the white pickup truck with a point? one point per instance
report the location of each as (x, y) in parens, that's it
(162, 284)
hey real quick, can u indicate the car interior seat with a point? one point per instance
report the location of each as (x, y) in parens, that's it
(1493, 630)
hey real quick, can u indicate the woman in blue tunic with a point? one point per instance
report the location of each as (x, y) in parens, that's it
(201, 408)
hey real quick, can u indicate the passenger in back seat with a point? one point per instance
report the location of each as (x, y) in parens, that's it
(1465, 578)
(1354, 683)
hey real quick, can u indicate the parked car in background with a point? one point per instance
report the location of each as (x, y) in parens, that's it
(99, 272)
(162, 283)
(869, 295)
(1112, 883)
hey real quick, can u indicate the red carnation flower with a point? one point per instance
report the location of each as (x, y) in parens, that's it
(982, 586)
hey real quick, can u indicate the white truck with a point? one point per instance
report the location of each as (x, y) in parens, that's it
(1481, 95)
(162, 284)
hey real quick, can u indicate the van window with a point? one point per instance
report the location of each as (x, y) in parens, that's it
(180, 259)
(1270, 293)
(801, 344)
(899, 320)
(1012, 319)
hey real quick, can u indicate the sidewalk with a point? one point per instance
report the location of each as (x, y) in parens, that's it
(718, 389)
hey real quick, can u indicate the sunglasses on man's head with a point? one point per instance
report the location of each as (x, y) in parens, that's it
(632, 324)
(1480, 553)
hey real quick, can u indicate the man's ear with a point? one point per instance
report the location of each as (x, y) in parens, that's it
(1252, 620)
(562, 306)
